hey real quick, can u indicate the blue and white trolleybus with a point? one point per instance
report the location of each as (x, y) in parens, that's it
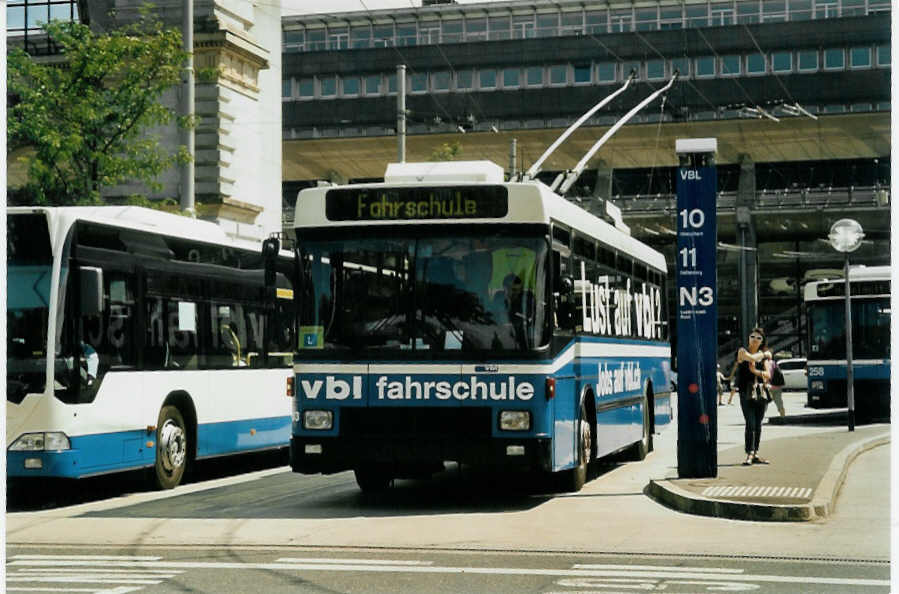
(449, 315)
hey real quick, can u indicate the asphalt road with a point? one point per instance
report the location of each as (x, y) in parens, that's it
(252, 525)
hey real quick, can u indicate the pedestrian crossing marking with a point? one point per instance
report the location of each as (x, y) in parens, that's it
(758, 491)
(99, 571)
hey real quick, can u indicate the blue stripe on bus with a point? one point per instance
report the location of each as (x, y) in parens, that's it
(93, 454)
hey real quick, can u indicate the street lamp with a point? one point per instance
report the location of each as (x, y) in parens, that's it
(845, 236)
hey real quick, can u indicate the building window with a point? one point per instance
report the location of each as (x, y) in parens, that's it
(572, 23)
(808, 61)
(853, 8)
(670, 17)
(722, 14)
(406, 34)
(697, 15)
(440, 81)
(338, 38)
(646, 19)
(499, 27)
(548, 25)
(605, 72)
(860, 57)
(382, 35)
(429, 34)
(774, 11)
(655, 69)
(825, 9)
(328, 86)
(755, 64)
(883, 55)
(558, 74)
(597, 21)
(704, 66)
(307, 88)
(800, 10)
(452, 31)
(315, 40)
(360, 37)
(534, 76)
(350, 85)
(627, 67)
(464, 79)
(418, 82)
(476, 29)
(391, 84)
(730, 65)
(523, 27)
(373, 84)
(286, 87)
(294, 41)
(487, 79)
(781, 62)
(747, 12)
(582, 74)
(621, 21)
(682, 65)
(834, 58)
(511, 78)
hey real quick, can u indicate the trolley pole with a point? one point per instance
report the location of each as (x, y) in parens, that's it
(401, 112)
(697, 309)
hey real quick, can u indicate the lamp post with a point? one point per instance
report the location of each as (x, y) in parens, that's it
(845, 236)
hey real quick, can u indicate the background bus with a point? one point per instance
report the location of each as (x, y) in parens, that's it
(137, 338)
(825, 309)
(448, 315)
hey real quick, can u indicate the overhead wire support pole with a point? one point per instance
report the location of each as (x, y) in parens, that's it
(535, 168)
(579, 168)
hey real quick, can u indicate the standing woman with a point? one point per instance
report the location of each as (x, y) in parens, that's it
(750, 365)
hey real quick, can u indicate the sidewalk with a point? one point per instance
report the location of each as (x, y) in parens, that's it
(810, 452)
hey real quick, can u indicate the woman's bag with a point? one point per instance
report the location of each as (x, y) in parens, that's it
(777, 376)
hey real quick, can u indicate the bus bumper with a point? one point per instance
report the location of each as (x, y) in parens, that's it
(313, 455)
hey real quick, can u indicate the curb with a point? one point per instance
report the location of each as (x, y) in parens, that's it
(820, 507)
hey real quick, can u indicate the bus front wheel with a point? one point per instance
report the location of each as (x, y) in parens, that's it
(577, 476)
(171, 448)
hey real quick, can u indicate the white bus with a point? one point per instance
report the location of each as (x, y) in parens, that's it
(826, 313)
(138, 338)
(447, 314)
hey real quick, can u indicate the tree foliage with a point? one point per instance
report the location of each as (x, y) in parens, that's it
(87, 117)
(447, 151)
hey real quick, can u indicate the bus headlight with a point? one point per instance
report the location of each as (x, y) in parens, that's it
(320, 420)
(514, 420)
(35, 442)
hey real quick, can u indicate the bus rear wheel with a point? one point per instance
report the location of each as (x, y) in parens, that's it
(171, 448)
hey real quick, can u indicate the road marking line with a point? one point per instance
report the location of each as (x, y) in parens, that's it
(656, 568)
(88, 557)
(89, 569)
(352, 561)
(698, 575)
(81, 580)
(143, 575)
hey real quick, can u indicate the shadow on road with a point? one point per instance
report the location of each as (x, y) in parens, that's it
(289, 495)
(38, 494)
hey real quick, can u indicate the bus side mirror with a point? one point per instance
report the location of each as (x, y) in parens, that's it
(565, 309)
(270, 249)
(91, 280)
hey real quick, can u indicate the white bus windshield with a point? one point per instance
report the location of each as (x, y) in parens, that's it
(435, 294)
(28, 268)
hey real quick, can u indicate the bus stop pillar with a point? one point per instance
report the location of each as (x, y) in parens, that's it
(697, 309)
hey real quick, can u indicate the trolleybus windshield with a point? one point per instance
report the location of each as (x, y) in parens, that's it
(429, 295)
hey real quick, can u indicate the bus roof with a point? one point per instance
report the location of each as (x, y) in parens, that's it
(858, 273)
(142, 219)
(528, 202)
